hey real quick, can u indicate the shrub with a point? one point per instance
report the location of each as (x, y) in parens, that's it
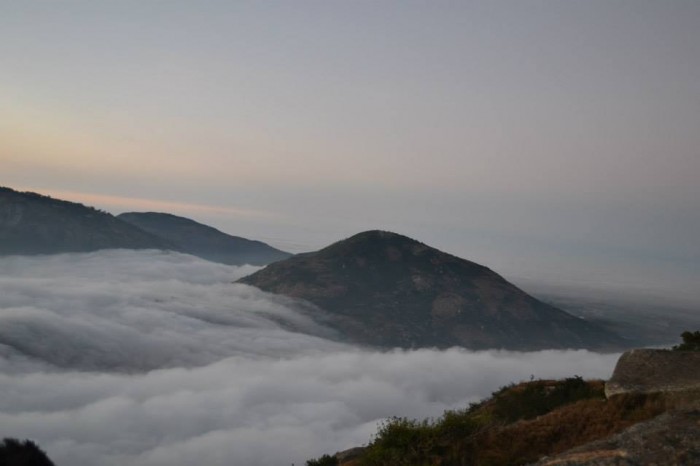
(325, 460)
(691, 342)
(14, 452)
(402, 442)
(536, 398)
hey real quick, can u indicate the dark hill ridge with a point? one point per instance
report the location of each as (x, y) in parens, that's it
(204, 241)
(34, 224)
(31, 223)
(389, 290)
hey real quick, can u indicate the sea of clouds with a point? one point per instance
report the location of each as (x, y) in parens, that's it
(154, 358)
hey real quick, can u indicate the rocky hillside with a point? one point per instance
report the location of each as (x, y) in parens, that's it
(669, 380)
(655, 371)
(673, 438)
(34, 224)
(388, 290)
(518, 424)
(204, 241)
(557, 423)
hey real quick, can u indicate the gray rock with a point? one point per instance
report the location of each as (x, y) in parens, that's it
(670, 439)
(652, 371)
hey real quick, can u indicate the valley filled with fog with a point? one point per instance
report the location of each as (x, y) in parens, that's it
(151, 358)
(429, 176)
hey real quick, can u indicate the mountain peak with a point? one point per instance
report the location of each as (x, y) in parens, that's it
(378, 235)
(371, 239)
(387, 289)
(378, 245)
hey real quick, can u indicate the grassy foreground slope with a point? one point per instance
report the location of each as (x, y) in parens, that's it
(517, 425)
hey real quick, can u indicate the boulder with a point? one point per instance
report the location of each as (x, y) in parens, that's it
(653, 371)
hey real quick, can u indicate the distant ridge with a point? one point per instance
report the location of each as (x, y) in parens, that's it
(204, 241)
(31, 223)
(389, 290)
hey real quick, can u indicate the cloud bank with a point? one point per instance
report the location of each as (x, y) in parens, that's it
(135, 311)
(150, 358)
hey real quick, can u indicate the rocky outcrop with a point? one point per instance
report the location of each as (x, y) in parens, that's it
(673, 438)
(670, 439)
(652, 419)
(652, 371)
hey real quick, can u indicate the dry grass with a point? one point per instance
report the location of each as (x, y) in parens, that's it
(517, 425)
(564, 428)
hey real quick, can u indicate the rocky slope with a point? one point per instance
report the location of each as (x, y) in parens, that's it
(655, 371)
(672, 438)
(558, 423)
(672, 380)
(34, 224)
(388, 290)
(204, 241)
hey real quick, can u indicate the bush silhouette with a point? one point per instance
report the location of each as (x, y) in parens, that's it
(325, 460)
(14, 452)
(691, 342)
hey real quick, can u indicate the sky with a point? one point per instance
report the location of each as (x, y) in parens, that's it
(148, 358)
(554, 140)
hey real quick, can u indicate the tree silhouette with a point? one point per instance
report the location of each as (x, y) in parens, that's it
(691, 342)
(14, 452)
(325, 460)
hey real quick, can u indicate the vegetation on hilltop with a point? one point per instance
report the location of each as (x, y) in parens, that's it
(14, 452)
(691, 342)
(325, 460)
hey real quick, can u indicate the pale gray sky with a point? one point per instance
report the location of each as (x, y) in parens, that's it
(537, 137)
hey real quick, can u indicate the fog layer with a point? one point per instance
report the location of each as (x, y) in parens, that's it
(131, 311)
(149, 358)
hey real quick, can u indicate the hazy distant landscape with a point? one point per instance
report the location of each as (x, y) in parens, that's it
(250, 233)
(645, 320)
(138, 357)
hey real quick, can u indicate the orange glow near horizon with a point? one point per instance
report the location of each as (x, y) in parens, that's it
(133, 203)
